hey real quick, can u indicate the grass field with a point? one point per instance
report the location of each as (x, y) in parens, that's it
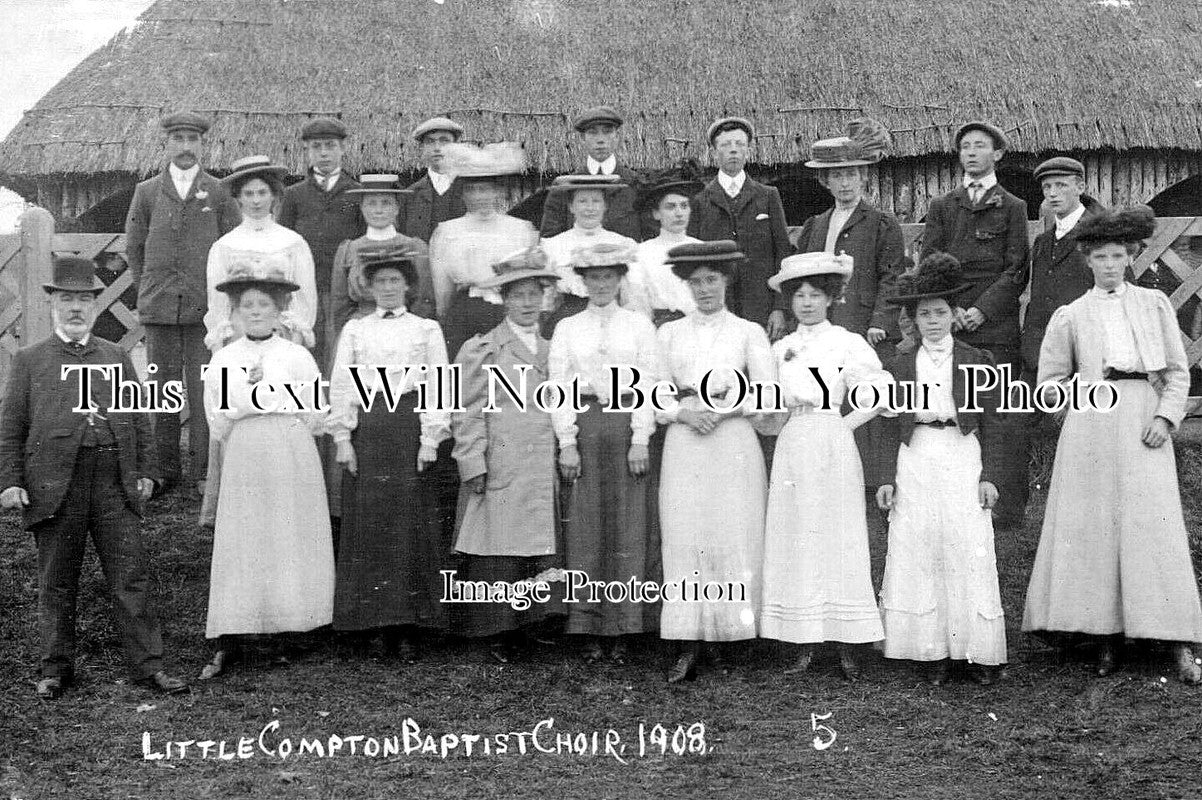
(1048, 730)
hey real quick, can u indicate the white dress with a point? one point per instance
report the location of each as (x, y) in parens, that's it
(940, 597)
(273, 560)
(713, 488)
(817, 574)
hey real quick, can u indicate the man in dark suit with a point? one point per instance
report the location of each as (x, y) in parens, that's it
(320, 210)
(733, 206)
(173, 220)
(600, 131)
(436, 196)
(985, 228)
(80, 473)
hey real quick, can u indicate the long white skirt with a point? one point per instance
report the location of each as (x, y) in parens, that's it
(817, 574)
(712, 495)
(273, 560)
(940, 596)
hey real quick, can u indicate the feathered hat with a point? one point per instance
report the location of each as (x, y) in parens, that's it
(684, 178)
(520, 266)
(1131, 225)
(938, 275)
(866, 143)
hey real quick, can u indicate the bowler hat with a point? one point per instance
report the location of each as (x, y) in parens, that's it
(988, 128)
(596, 115)
(729, 124)
(185, 120)
(866, 143)
(323, 128)
(522, 265)
(722, 255)
(1060, 165)
(397, 255)
(253, 165)
(805, 265)
(606, 254)
(379, 184)
(74, 274)
(438, 124)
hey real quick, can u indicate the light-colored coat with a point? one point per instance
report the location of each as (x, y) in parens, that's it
(515, 449)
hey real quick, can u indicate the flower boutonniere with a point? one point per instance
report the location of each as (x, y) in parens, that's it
(201, 194)
(790, 354)
(993, 202)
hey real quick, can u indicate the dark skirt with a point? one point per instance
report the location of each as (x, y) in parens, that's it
(607, 535)
(467, 317)
(490, 619)
(390, 549)
(569, 304)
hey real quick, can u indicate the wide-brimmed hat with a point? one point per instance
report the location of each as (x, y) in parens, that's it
(722, 255)
(323, 128)
(806, 265)
(525, 264)
(73, 274)
(865, 144)
(613, 255)
(684, 179)
(250, 166)
(396, 255)
(596, 115)
(245, 274)
(437, 124)
(729, 124)
(1129, 226)
(988, 128)
(937, 275)
(496, 160)
(379, 184)
(572, 183)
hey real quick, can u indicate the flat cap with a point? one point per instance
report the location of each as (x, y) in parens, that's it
(1060, 165)
(729, 124)
(437, 124)
(185, 120)
(988, 128)
(596, 115)
(323, 128)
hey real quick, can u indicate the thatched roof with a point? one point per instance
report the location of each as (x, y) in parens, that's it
(1056, 74)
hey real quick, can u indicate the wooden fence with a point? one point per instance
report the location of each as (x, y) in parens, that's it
(26, 257)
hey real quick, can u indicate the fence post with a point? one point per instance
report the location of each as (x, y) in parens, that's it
(37, 261)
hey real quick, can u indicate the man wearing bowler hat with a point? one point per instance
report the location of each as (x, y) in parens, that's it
(173, 220)
(736, 207)
(600, 131)
(436, 196)
(320, 210)
(985, 228)
(75, 473)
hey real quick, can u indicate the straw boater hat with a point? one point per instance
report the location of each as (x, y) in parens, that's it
(468, 162)
(865, 144)
(397, 255)
(806, 265)
(1129, 226)
(722, 255)
(938, 275)
(572, 183)
(248, 275)
(379, 184)
(73, 274)
(252, 166)
(530, 263)
(607, 254)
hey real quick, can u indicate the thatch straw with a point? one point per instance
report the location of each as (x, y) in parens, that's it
(1071, 75)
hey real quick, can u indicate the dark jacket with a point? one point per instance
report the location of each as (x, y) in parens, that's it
(621, 211)
(1059, 274)
(990, 241)
(756, 220)
(420, 215)
(167, 241)
(323, 219)
(874, 241)
(898, 430)
(40, 435)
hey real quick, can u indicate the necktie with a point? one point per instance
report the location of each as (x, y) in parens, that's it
(389, 315)
(975, 190)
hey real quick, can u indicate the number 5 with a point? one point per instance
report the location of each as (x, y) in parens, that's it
(819, 743)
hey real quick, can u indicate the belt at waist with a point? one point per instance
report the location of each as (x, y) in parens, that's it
(938, 423)
(1122, 375)
(689, 391)
(589, 396)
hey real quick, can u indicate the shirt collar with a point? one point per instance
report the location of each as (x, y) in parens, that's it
(810, 331)
(188, 174)
(440, 181)
(732, 186)
(380, 234)
(258, 224)
(943, 345)
(987, 181)
(1063, 226)
(709, 320)
(1111, 294)
(587, 231)
(531, 332)
(605, 167)
(68, 340)
(399, 311)
(604, 312)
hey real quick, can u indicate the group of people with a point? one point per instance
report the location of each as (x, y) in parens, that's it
(349, 516)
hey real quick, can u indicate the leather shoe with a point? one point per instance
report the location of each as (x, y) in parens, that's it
(937, 672)
(1188, 669)
(847, 661)
(51, 688)
(1106, 660)
(984, 676)
(685, 668)
(593, 653)
(162, 682)
(618, 653)
(802, 664)
(221, 659)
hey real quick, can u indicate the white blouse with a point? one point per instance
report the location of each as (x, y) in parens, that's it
(933, 377)
(584, 345)
(403, 340)
(653, 284)
(282, 362)
(463, 250)
(828, 348)
(720, 344)
(1121, 352)
(559, 254)
(260, 247)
